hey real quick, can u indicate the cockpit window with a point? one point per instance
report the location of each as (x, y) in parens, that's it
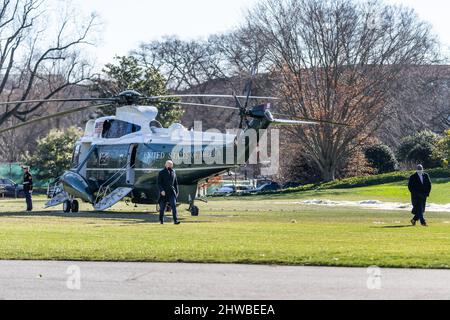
(113, 129)
(76, 156)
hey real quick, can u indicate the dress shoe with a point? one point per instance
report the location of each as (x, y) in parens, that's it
(413, 222)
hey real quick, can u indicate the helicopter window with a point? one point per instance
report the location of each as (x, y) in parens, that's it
(113, 129)
(76, 156)
(109, 156)
(93, 159)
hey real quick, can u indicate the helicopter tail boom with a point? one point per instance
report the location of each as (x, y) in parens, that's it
(262, 118)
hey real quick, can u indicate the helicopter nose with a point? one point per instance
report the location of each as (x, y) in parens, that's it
(76, 185)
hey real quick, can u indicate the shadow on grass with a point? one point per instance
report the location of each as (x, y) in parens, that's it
(130, 217)
(393, 227)
(289, 195)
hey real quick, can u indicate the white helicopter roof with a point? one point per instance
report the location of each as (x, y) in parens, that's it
(142, 116)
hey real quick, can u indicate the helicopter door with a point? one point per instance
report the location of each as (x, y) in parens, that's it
(131, 164)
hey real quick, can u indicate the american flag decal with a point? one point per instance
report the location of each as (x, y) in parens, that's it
(98, 129)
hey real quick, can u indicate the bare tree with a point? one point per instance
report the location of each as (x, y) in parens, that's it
(241, 51)
(40, 55)
(338, 61)
(16, 143)
(421, 101)
(185, 64)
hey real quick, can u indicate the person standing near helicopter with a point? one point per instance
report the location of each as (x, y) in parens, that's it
(28, 187)
(168, 191)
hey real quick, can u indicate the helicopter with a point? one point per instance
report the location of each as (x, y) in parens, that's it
(120, 156)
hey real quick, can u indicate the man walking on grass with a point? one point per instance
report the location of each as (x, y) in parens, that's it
(420, 187)
(168, 191)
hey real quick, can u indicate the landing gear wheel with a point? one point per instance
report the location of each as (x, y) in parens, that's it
(194, 211)
(75, 206)
(67, 206)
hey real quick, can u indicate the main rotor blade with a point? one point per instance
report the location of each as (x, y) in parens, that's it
(58, 100)
(248, 87)
(284, 122)
(242, 111)
(315, 121)
(210, 96)
(51, 116)
(199, 105)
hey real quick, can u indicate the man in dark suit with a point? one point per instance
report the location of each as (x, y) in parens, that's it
(28, 187)
(168, 191)
(420, 187)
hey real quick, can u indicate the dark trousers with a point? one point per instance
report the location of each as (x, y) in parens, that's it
(172, 200)
(29, 199)
(419, 205)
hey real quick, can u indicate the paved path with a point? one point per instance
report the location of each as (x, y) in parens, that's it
(59, 280)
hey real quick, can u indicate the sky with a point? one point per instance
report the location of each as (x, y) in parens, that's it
(127, 23)
(435, 12)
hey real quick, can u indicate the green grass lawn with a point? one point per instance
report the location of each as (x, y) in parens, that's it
(265, 230)
(390, 192)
